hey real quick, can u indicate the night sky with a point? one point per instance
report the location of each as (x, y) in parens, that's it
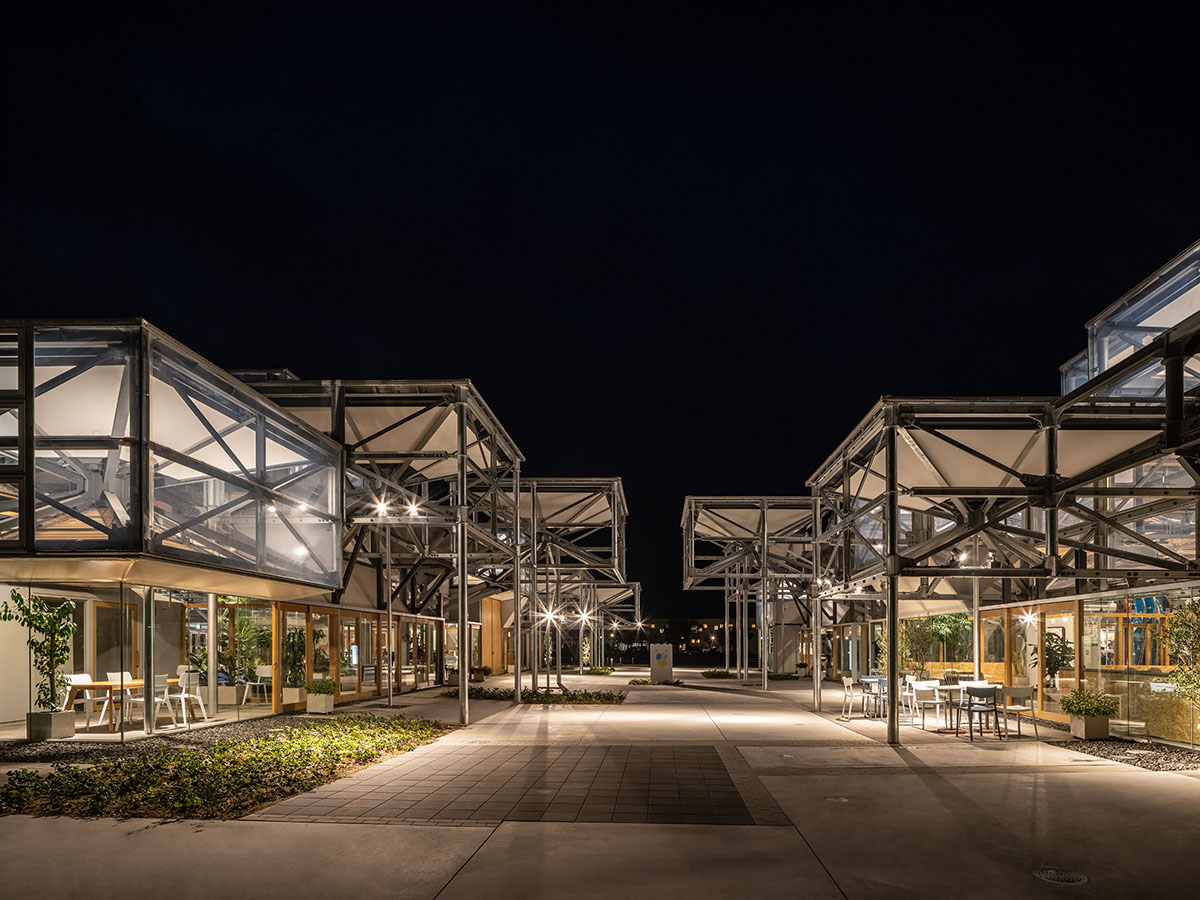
(687, 245)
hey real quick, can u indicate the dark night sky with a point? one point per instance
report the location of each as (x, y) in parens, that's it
(683, 245)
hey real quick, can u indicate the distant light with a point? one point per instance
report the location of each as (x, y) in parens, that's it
(1028, 618)
(303, 507)
(583, 617)
(381, 508)
(271, 507)
(299, 551)
(412, 509)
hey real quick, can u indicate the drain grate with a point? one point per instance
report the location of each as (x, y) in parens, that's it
(1055, 875)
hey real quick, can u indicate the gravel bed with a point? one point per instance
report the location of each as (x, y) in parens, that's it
(1143, 754)
(86, 751)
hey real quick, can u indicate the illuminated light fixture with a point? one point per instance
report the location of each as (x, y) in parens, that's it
(381, 508)
(1028, 618)
(412, 509)
(303, 507)
(583, 617)
(270, 507)
(299, 551)
(639, 624)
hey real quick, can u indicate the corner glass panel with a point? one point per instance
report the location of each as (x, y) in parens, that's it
(10, 435)
(10, 372)
(10, 512)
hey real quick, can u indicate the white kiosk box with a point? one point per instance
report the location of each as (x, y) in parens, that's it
(660, 663)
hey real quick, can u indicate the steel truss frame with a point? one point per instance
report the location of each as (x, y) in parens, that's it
(1063, 495)
(750, 548)
(575, 560)
(432, 481)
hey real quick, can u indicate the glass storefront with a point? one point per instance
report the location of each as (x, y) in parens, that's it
(234, 657)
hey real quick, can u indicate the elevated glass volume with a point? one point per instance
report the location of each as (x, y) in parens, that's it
(114, 437)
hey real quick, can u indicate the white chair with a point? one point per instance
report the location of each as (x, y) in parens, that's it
(262, 683)
(126, 695)
(162, 695)
(925, 697)
(848, 697)
(189, 689)
(86, 696)
(1024, 697)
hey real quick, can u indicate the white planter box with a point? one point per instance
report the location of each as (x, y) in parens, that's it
(320, 703)
(47, 726)
(230, 694)
(1089, 728)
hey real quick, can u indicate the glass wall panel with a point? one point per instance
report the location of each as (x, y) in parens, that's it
(1023, 648)
(236, 482)
(993, 665)
(250, 653)
(10, 372)
(294, 661)
(10, 433)
(10, 512)
(321, 662)
(367, 656)
(349, 650)
(84, 384)
(1057, 658)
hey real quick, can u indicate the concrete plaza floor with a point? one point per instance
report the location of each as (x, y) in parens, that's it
(524, 803)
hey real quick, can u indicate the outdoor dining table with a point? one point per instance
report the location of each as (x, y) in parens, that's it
(879, 695)
(112, 687)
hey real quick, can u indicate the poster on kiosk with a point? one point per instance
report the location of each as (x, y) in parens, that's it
(660, 663)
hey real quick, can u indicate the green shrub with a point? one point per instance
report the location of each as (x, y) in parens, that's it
(328, 686)
(782, 676)
(578, 698)
(225, 780)
(718, 673)
(674, 682)
(599, 670)
(1082, 702)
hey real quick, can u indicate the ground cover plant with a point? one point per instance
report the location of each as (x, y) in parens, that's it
(599, 670)
(674, 682)
(782, 676)
(225, 780)
(718, 673)
(579, 698)
(1082, 702)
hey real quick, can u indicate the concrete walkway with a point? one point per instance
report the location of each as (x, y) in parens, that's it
(524, 803)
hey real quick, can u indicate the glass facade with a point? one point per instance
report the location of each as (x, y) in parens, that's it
(206, 471)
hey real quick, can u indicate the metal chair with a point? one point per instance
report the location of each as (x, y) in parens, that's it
(979, 701)
(119, 698)
(162, 697)
(1024, 697)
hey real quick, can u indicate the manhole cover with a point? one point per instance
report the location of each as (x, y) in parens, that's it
(837, 799)
(1058, 876)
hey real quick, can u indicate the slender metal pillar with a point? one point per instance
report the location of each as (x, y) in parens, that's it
(817, 674)
(517, 600)
(387, 555)
(535, 639)
(725, 605)
(148, 669)
(893, 571)
(214, 643)
(765, 572)
(460, 530)
(976, 623)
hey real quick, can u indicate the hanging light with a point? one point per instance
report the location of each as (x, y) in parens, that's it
(381, 508)
(412, 509)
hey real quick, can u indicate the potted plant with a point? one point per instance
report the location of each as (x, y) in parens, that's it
(50, 629)
(480, 673)
(1089, 712)
(451, 676)
(320, 695)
